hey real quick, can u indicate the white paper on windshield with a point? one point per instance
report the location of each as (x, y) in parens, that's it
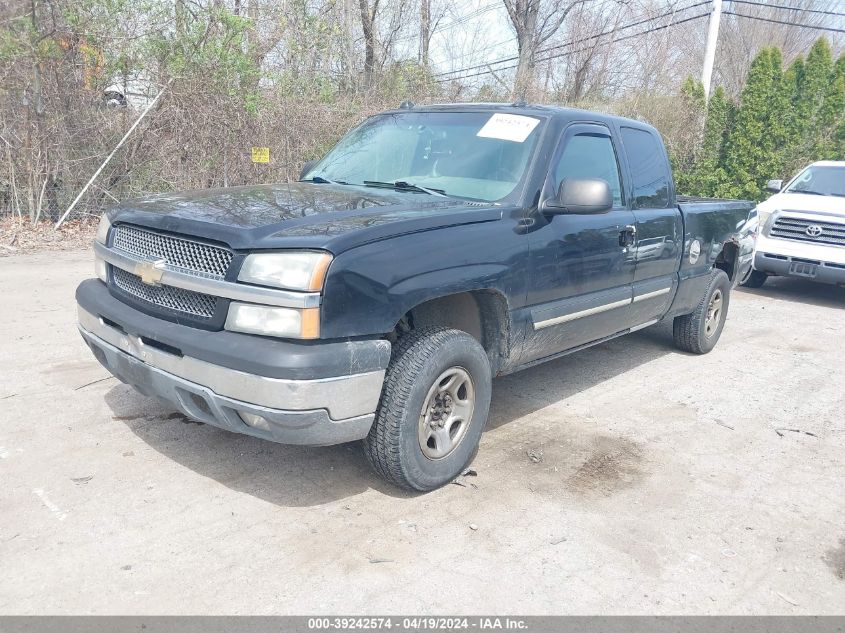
(508, 127)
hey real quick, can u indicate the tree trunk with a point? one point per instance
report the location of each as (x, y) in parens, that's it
(181, 16)
(368, 19)
(523, 87)
(523, 16)
(34, 141)
(534, 26)
(425, 30)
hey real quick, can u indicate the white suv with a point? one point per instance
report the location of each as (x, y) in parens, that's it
(802, 227)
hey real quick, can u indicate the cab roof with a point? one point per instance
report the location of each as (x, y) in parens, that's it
(828, 163)
(525, 109)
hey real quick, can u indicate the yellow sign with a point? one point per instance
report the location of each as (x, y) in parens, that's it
(260, 154)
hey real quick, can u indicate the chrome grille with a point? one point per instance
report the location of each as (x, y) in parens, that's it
(168, 297)
(792, 228)
(179, 253)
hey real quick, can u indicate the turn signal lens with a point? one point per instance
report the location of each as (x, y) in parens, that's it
(101, 269)
(103, 229)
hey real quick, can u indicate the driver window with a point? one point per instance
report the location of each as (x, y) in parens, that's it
(590, 156)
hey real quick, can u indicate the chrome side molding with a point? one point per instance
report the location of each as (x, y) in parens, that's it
(580, 314)
(539, 325)
(652, 295)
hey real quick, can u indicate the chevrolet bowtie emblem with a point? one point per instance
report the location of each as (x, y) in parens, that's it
(151, 272)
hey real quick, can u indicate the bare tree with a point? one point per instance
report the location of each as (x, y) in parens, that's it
(368, 24)
(425, 30)
(535, 22)
(583, 70)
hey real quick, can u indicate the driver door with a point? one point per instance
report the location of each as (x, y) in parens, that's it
(582, 266)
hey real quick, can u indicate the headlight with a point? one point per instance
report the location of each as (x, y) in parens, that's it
(103, 229)
(272, 321)
(766, 220)
(295, 270)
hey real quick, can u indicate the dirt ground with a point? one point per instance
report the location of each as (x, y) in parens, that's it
(628, 478)
(19, 236)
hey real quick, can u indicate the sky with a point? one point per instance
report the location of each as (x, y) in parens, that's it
(475, 32)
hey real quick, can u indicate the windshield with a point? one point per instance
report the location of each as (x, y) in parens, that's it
(478, 155)
(825, 181)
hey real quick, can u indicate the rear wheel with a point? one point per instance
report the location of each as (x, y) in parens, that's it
(755, 279)
(433, 408)
(699, 331)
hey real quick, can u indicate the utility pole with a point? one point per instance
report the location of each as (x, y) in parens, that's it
(710, 49)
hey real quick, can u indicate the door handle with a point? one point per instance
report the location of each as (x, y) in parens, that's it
(628, 235)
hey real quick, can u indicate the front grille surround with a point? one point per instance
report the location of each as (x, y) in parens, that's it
(795, 228)
(180, 254)
(183, 254)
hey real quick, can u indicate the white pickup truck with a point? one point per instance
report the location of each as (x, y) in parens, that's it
(802, 227)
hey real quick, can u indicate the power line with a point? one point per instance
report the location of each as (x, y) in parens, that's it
(492, 46)
(475, 53)
(567, 53)
(578, 41)
(787, 8)
(671, 13)
(496, 45)
(632, 35)
(570, 43)
(455, 22)
(466, 18)
(803, 26)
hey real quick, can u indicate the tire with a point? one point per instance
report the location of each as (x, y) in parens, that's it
(696, 332)
(755, 280)
(423, 363)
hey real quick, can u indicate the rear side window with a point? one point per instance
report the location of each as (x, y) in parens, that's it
(648, 168)
(590, 156)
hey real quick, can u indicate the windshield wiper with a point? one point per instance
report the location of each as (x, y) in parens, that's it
(324, 181)
(808, 192)
(401, 185)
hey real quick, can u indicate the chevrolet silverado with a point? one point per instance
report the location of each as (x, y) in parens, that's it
(432, 249)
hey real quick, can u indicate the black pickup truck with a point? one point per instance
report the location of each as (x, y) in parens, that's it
(431, 250)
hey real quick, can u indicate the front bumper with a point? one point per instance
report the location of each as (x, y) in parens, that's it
(315, 394)
(799, 267)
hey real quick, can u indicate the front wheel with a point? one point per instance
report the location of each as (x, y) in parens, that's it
(699, 331)
(433, 408)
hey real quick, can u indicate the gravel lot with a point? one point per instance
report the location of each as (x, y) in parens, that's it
(628, 478)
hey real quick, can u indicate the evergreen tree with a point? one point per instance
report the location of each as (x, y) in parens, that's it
(793, 80)
(784, 121)
(720, 113)
(830, 137)
(756, 144)
(705, 176)
(809, 105)
(685, 156)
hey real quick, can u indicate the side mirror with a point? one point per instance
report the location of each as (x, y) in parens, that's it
(581, 196)
(774, 186)
(306, 168)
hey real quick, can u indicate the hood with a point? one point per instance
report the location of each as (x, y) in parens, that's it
(807, 203)
(299, 214)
